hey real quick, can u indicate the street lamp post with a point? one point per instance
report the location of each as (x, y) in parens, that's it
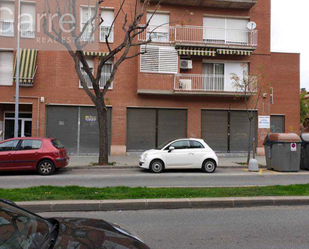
(17, 74)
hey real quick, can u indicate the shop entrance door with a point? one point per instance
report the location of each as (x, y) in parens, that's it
(24, 125)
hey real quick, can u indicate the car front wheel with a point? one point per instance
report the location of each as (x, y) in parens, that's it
(46, 167)
(156, 166)
(209, 166)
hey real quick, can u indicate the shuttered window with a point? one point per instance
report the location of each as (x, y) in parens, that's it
(7, 18)
(158, 59)
(6, 68)
(108, 17)
(28, 20)
(158, 27)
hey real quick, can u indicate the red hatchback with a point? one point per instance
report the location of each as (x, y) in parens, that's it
(43, 155)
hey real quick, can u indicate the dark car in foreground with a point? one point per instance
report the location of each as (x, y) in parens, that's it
(43, 155)
(20, 229)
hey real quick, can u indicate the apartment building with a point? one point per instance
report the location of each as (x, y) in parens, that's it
(181, 87)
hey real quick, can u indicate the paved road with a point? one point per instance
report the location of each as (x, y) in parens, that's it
(254, 228)
(137, 177)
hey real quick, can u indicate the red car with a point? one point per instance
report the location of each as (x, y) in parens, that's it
(43, 155)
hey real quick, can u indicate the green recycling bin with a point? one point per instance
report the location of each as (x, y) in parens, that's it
(282, 152)
(304, 161)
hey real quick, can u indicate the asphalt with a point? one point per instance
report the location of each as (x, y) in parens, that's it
(223, 228)
(136, 177)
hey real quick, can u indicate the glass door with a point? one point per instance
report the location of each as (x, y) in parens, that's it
(24, 125)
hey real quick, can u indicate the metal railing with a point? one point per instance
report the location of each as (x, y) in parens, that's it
(28, 29)
(201, 35)
(199, 82)
(6, 27)
(104, 78)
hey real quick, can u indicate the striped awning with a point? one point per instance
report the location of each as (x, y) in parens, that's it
(234, 52)
(27, 66)
(98, 54)
(196, 51)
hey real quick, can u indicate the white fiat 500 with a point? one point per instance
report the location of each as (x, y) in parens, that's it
(180, 153)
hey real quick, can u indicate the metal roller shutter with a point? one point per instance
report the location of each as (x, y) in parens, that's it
(141, 129)
(214, 129)
(277, 124)
(171, 124)
(89, 130)
(62, 124)
(239, 130)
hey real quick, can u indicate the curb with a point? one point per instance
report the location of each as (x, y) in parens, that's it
(135, 167)
(148, 204)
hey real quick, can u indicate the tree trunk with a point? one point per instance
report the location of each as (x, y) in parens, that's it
(249, 145)
(103, 134)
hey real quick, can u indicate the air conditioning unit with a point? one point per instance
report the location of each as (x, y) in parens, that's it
(185, 84)
(185, 64)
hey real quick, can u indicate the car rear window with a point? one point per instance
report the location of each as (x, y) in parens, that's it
(30, 145)
(57, 144)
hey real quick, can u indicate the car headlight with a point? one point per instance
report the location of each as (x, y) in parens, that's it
(145, 157)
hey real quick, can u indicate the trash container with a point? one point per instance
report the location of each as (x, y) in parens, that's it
(304, 160)
(282, 151)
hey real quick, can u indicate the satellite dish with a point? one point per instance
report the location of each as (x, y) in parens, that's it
(251, 25)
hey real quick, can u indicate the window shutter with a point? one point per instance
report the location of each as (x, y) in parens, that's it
(108, 17)
(159, 59)
(158, 20)
(6, 68)
(4, 14)
(27, 10)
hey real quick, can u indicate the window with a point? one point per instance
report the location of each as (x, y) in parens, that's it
(225, 30)
(7, 18)
(277, 124)
(106, 26)
(213, 79)
(8, 146)
(158, 59)
(196, 145)
(57, 144)
(30, 145)
(158, 27)
(27, 20)
(183, 144)
(105, 75)
(86, 14)
(6, 68)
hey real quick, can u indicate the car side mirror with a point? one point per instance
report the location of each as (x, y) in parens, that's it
(171, 149)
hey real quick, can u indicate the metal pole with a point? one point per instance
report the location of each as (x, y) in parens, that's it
(17, 74)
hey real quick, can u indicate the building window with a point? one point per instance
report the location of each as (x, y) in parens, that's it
(226, 31)
(86, 14)
(156, 59)
(27, 20)
(158, 28)
(6, 68)
(105, 75)
(277, 124)
(7, 10)
(106, 26)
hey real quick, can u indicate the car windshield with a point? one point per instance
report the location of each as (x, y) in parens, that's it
(20, 229)
(160, 147)
(57, 144)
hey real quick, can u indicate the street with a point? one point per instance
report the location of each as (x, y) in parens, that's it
(136, 177)
(254, 228)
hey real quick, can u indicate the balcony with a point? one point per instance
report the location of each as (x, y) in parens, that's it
(6, 27)
(227, 4)
(203, 37)
(187, 84)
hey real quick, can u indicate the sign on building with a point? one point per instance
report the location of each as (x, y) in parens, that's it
(264, 122)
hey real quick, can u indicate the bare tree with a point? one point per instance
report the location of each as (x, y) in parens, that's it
(132, 27)
(250, 87)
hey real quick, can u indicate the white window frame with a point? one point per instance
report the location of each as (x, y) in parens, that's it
(12, 72)
(90, 86)
(10, 21)
(160, 55)
(111, 37)
(160, 33)
(30, 31)
(89, 9)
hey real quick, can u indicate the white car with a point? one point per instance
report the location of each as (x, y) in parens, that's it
(180, 153)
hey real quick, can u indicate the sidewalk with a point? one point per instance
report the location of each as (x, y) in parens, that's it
(133, 160)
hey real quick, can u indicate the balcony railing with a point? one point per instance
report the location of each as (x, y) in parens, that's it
(202, 35)
(195, 82)
(104, 30)
(6, 27)
(104, 78)
(28, 30)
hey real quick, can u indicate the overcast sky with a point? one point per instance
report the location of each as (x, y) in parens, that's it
(290, 32)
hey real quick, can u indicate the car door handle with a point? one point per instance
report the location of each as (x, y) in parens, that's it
(191, 154)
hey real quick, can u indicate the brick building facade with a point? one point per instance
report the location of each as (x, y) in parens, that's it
(151, 102)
